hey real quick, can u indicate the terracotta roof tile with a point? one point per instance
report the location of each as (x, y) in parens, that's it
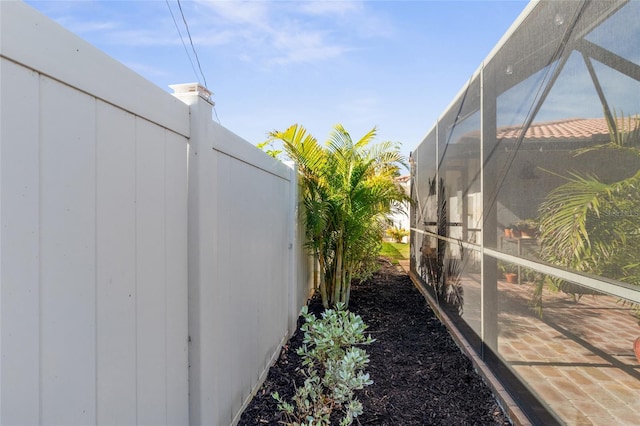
(571, 128)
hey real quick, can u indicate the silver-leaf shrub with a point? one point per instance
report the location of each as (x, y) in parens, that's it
(333, 368)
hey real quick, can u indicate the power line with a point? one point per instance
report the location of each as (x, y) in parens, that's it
(204, 79)
(191, 42)
(182, 40)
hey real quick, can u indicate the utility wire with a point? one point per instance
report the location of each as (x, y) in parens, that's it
(182, 40)
(216, 113)
(192, 47)
(191, 42)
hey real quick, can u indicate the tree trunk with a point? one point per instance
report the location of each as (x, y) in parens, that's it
(323, 283)
(337, 274)
(348, 291)
(316, 285)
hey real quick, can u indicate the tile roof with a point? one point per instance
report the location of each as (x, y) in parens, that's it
(571, 128)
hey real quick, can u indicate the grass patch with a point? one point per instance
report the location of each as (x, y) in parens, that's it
(394, 251)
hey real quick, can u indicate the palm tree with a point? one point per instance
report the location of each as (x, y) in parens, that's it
(347, 193)
(591, 225)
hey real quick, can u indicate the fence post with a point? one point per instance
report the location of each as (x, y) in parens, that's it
(202, 254)
(294, 243)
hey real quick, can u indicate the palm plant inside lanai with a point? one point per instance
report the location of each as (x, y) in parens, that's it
(592, 225)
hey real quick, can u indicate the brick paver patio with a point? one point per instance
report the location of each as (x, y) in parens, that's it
(578, 357)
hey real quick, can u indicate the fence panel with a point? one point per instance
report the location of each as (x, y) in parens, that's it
(243, 277)
(67, 254)
(131, 224)
(93, 235)
(116, 269)
(19, 248)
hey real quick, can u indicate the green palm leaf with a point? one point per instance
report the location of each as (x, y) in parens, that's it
(593, 226)
(347, 191)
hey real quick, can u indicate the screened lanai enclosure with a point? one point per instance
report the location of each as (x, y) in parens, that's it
(525, 227)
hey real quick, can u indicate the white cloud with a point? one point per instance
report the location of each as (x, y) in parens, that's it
(283, 33)
(253, 13)
(144, 69)
(142, 38)
(330, 7)
(83, 27)
(304, 46)
(265, 33)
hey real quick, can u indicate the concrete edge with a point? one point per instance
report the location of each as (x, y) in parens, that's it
(511, 409)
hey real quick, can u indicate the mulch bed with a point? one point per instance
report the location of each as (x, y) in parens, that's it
(420, 376)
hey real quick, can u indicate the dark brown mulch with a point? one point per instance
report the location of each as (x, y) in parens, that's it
(420, 376)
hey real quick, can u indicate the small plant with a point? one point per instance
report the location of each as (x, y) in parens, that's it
(508, 231)
(333, 369)
(267, 146)
(507, 267)
(531, 276)
(527, 227)
(397, 233)
(527, 224)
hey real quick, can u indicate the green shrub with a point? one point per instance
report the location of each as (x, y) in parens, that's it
(397, 234)
(333, 368)
(348, 191)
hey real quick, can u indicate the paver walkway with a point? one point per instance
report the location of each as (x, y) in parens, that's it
(578, 357)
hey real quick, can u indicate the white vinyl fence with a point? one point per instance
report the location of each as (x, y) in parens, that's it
(150, 265)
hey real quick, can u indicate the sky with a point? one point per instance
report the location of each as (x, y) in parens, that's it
(394, 65)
